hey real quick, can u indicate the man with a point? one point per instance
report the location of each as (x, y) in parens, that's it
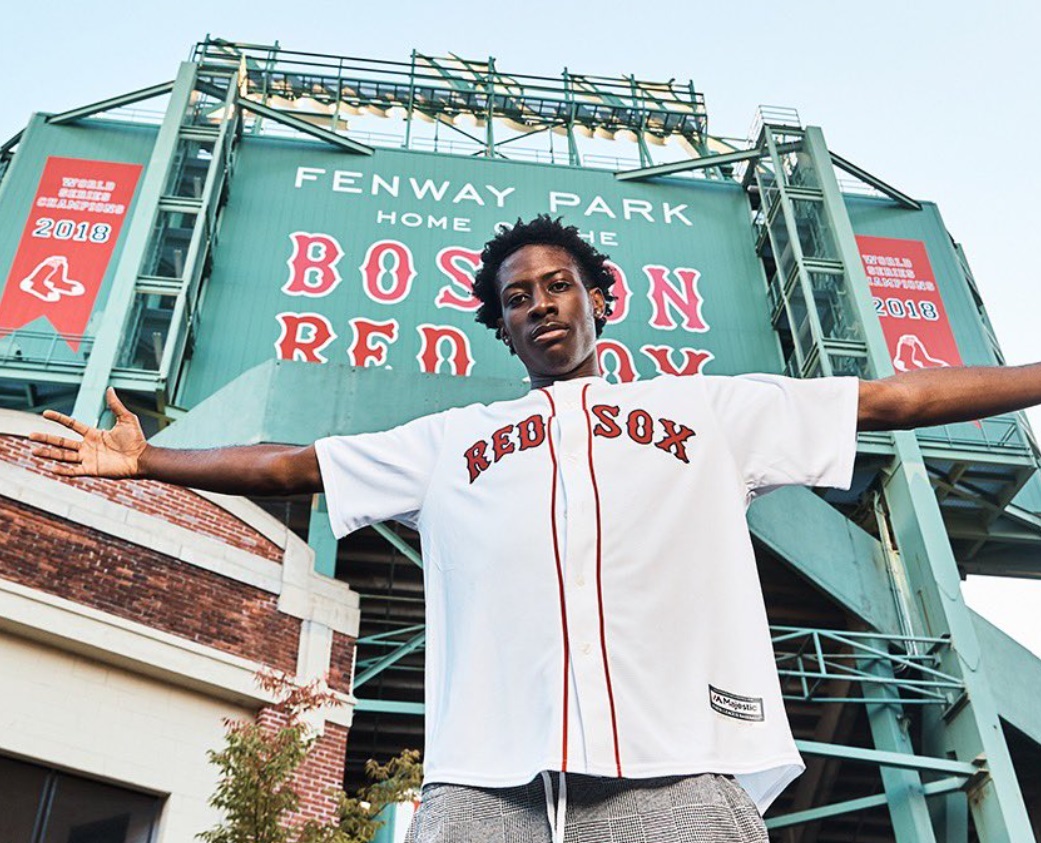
(598, 659)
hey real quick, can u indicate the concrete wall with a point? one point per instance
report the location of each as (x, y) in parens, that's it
(69, 711)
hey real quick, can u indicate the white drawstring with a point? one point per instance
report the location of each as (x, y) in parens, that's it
(556, 814)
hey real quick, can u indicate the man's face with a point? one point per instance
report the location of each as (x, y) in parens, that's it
(548, 314)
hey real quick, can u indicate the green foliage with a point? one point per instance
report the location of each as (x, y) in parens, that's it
(398, 780)
(257, 765)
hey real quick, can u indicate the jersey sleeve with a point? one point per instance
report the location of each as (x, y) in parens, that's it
(372, 477)
(782, 431)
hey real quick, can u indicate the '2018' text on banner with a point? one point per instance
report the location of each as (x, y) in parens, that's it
(67, 244)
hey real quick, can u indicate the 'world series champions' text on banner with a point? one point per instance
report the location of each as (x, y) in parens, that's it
(908, 303)
(67, 244)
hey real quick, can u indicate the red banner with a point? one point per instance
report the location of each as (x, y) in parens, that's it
(67, 244)
(908, 303)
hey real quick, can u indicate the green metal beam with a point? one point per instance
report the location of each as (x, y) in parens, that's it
(899, 760)
(972, 730)
(720, 160)
(396, 655)
(843, 560)
(403, 546)
(320, 537)
(346, 144)
(389, 707)
(1003, 659)
(387, 638)
(112, 102)
(110, 337)
(903, 787)
(11, 142)
(877, 183)
(852, 805)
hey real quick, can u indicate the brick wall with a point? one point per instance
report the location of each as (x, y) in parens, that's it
(43, 551)
(320, 778)
(341, 662)
(182, 507)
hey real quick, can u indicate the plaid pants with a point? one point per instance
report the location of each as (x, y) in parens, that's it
(688, 809)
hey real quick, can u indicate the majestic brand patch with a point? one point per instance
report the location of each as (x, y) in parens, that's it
(736, 706)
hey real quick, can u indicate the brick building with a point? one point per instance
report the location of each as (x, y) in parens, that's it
(133, 619)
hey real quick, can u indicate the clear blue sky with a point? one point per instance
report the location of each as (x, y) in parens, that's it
(937, 98)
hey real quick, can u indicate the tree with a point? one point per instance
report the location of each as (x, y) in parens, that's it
(396, 781)
(258, 763)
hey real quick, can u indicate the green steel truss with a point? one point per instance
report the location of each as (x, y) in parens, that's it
(810, 661)
(824, 317)
(141, 344)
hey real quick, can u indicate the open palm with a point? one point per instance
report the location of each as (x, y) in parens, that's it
(99, 453)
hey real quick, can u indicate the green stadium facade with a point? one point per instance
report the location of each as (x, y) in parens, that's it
(275, 246)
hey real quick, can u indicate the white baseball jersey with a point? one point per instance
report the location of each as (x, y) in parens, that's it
(593, 604)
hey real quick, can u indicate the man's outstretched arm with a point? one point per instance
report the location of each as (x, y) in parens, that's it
(123, 452)
(928, 397)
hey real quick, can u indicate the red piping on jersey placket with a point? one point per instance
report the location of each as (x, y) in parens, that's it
(560, 571)
(600, 585)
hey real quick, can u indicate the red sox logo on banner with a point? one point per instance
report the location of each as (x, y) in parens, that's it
(67, 244)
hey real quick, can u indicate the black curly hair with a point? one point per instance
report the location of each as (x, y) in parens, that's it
(543, 230)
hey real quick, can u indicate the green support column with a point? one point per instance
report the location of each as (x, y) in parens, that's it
(904, 796)
(950, 815)
(489, 126)
(320, 538)
(970, 727)
(806, 288)
(110, 336)
(573, 157)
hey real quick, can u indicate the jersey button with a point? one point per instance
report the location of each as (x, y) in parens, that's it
(586, 649)
(580, 580)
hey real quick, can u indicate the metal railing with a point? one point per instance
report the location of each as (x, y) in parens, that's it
(1002, 434)
(450, 85)
(772, 115)
(44, 349)
(809, 661)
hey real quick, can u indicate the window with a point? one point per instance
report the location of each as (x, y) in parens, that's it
(47, 806)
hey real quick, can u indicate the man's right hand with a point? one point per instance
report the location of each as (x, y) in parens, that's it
(99, 453)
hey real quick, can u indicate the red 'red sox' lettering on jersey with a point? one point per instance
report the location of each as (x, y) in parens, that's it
(529, 433)
(639, 425)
